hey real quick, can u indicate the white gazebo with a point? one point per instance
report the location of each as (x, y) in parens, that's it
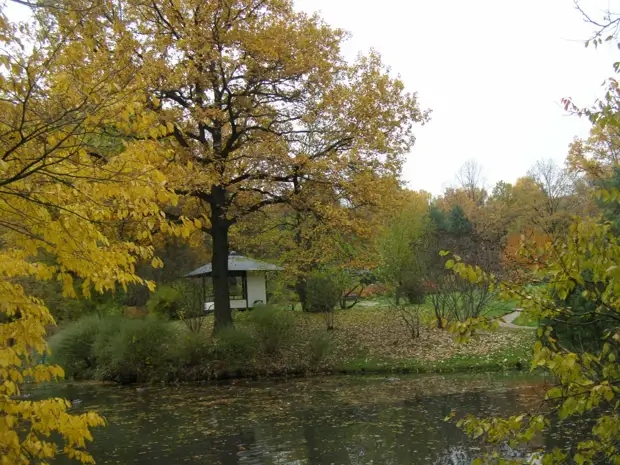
(247, 286)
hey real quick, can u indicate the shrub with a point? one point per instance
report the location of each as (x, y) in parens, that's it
(414, 291)
(109, 328)
(322, 293)
(320, 346)
(127, 350)
(72, 348)
(165, 301)
(193, 349)
(273, 329)
(141, 351)
(191, 304)
(234, 347)
(411, 317)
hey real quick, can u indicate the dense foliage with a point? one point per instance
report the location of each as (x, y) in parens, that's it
(250, 122)
(126, 350)
(578, 302)
(63, 192)
(323, 293)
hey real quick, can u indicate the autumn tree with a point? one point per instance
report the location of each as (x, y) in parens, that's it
(502, 191)
(501, 210)
(584, 264)
(403, 245)
(472, 198)
(527, 196)
(62, 191)
(471, 180)
(597, 155)
(338, 238)
(558, 188)
(512, 215)
(256, 98)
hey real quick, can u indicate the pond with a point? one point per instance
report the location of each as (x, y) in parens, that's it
(317, 421)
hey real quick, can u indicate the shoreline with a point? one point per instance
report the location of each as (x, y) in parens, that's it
(355, 367)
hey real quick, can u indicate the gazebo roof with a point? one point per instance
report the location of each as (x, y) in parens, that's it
(236, 262)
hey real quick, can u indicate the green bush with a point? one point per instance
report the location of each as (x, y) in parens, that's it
(152, 349)
(322, 293)
(72, 348)
(142, 351)
(165, 301)
(273, 329)
(414, 291)
(193, 349)
(234, 347)
(109, 329)
(320, 346)
(583, 327)
(115, 348)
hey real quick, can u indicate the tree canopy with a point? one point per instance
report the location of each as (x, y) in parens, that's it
(254, 101)
(63, 190)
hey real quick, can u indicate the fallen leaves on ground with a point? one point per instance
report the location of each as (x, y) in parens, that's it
(382, 334)
(379, 334)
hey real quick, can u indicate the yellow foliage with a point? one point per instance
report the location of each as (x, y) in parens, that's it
(255, 107)
(581, 290)
(64, 187)
(598, 155)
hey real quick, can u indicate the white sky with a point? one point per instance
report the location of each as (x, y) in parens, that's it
(493, 72)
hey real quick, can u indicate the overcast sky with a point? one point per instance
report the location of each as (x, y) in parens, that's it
(492, 71)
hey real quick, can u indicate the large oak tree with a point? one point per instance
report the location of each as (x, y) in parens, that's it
(253, 98)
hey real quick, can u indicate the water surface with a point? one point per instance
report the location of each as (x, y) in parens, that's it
(318, 421)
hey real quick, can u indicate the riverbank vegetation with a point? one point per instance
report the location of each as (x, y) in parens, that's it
(275, 342)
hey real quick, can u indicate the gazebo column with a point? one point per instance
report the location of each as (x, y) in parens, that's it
(244, 285)
(204, 292)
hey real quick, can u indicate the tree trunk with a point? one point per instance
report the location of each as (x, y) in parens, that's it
(300, 281)
(300, 288)
(439, 319)
(219, 262)
(398, 293)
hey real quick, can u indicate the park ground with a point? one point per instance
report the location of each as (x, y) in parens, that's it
(372, 338)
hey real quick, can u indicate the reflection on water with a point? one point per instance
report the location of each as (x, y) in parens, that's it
(320, 421)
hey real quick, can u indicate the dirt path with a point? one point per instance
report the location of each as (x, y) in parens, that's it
(508, 319)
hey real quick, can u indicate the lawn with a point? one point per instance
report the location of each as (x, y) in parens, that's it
(373, 338)
(524, 320)
(496, 308)
(382, 338)
(507, 358)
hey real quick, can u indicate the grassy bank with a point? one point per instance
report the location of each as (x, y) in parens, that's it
(508, 359)
(375, 340)
(524, 320)
(277, 342)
